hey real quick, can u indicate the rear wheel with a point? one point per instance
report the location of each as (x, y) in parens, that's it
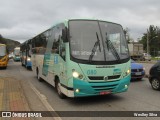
(58, 88)
(155, 83)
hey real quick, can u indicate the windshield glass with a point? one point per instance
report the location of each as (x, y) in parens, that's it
(2, 50)
(17, 51)
(89, 41)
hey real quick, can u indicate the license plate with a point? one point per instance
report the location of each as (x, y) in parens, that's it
(105, 93)
(138, 73)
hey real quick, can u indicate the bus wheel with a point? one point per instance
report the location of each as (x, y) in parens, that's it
(58, 88)
(38, 77)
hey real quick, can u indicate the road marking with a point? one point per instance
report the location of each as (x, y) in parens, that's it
(1, 84)
(44, 101)
(1, 101)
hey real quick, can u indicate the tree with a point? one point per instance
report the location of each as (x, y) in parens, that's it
(2, 40)
(153, 40)
(127, 35)
(1, 36)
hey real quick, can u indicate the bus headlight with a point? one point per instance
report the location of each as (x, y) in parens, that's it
(127, 73)
(77, 75)
(28, 59)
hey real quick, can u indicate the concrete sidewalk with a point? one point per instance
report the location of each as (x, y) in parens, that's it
(12, 96)
(17, 95)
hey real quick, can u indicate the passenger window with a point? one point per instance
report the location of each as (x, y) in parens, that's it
(58, 46)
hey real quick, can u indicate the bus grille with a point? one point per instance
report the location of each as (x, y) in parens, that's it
(102, 77)
(104, 87)
(137, 70)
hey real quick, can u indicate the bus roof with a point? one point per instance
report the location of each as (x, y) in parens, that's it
(2, 44)
(89, 19)
(17, 48)
(66, 24)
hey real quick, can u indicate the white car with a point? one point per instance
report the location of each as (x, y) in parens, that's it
(11, 55)
(146, 56)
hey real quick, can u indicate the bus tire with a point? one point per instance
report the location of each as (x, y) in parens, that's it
(38, 77)
(58, 89)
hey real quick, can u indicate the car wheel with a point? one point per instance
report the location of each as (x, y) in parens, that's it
(60, 94)
(155, 84)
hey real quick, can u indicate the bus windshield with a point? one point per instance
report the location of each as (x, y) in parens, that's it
(97, 41)
(2, 50)
(17, 52)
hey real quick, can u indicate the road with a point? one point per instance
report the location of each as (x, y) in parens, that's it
(139, 97)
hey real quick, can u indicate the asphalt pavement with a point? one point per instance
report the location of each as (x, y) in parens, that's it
(18, 92)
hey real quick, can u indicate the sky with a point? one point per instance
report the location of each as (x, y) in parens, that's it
(23, 19)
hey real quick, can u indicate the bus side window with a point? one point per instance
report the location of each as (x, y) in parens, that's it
(62, 50)
(56, 41)
(55, 47)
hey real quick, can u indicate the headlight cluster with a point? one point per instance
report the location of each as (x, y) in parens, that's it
(28, 59)
(144, 69)
(76, 74)
(127, 73)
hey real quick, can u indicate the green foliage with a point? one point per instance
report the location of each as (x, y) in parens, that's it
(11, 44)
(153, 40)
(127, 35)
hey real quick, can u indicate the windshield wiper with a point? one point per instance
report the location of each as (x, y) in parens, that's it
(111, 47)
(95, 48)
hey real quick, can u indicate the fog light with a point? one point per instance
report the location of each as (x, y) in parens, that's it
(126, 86)
(77, 90)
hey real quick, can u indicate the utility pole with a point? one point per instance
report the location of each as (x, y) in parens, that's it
(147, 42)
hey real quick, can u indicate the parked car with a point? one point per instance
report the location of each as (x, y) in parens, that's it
(11, 55)
(137, 70)
(146, 56)
(154, 76)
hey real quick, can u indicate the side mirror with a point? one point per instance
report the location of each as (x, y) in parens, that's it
(65, 34)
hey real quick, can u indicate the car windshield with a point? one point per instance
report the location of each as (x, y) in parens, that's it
(2, 50)
(97, 41)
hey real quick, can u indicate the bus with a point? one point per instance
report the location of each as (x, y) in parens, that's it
(16, 54)
(3, 56)
(25, 50)
(82, 57)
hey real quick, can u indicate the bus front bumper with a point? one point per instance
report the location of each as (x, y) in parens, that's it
(29, 64)
(83, 88)
(17, 59)
(3, 64)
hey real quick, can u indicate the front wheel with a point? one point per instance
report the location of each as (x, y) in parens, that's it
(58, 88)
(155, 83)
